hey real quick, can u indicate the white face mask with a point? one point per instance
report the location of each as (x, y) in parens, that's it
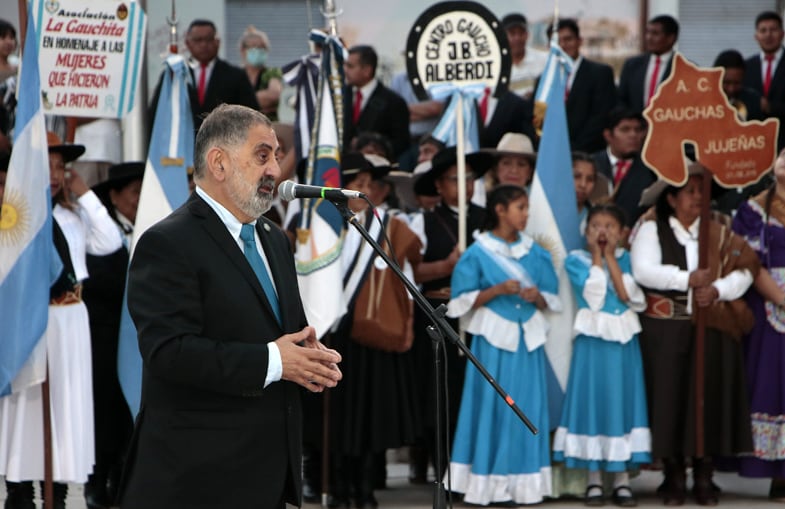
(256, 57)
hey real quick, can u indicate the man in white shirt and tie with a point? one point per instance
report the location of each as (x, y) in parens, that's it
(642, 74)
(369, 106)
(225, 346)
(764, 72)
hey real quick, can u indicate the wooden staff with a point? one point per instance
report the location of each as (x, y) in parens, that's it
(700, 317)
(460, 150)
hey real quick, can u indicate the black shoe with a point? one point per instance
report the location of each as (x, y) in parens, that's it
(19, 495)
(60, 492)
(95, 493)
(594, 496)
(367, 502)
(777, 490)
(623, 497)
(95, 502)
(310, 494)
(337, 502)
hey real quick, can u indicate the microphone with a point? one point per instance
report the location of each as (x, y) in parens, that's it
(289, 191)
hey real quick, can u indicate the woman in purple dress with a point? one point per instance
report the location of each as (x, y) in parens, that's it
(761, 221)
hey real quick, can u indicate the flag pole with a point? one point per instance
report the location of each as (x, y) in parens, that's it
(330, 12)
(48, 494)
(172, 22)
(22, 24)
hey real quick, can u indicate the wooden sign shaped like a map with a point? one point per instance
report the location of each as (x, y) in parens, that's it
(691, 108)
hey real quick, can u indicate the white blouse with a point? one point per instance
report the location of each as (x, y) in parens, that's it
(88, 230)
(649, 271)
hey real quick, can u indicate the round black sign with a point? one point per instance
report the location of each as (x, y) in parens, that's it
(458, 43)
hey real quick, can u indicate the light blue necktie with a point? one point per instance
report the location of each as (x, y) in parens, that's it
(257, 264)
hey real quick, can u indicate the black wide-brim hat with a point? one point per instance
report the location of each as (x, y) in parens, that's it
(69, 151)
(121, 175)
(445, 159)
(354, 163)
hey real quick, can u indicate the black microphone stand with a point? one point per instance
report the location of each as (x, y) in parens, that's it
(438, 331)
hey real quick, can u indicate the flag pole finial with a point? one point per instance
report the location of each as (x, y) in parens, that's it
(172, 21)
(331, 13)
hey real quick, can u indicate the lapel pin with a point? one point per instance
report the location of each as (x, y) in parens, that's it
(266, 227)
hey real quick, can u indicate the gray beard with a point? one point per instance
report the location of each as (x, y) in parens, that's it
(246, 196)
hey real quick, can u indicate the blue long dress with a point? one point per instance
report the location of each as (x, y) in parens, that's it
(604, 423)
(495, 458)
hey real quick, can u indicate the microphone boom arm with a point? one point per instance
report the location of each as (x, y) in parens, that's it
(436, 315)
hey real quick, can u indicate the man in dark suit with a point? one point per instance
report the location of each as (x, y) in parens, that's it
(215, 81)
(369, 105)
(765, 71)
(621, 163)
(507, 114)
(590, 94)
(642, 74)
(746, 100)
(213, 293)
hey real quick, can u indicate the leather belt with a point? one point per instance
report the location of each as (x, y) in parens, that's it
(68, 298)
(659, 306)
(441, 293)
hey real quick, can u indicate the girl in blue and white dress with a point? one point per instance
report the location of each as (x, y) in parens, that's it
(499, 287)
(604, 423)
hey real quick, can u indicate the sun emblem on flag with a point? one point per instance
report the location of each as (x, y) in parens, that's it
(14, 219)
(553, 247)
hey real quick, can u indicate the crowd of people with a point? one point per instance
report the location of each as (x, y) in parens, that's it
(636, 283)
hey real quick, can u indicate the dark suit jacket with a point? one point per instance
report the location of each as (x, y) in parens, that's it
(513, 114)
(631, 81)
(753, 78)
(208, 434)
(228, 84)
(385, 113)
(627, 194)
(591, 97)
(751, 99)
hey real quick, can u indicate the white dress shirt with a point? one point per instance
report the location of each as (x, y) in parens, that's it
(366, 90)
(88, 230)
(196, 67)
(649, 271)
(774, 64)
(665, 59)
(525, 73)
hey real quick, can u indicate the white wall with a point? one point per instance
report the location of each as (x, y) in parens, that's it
(657, 7)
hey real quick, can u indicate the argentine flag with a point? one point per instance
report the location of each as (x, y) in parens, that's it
(28, 261)
(554, 220)
(164, 188)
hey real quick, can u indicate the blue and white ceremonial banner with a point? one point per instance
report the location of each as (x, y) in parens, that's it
(446, 130)
(303, 74)
(164, 188)
(554, 222)
(320, 231)
(28, 261)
